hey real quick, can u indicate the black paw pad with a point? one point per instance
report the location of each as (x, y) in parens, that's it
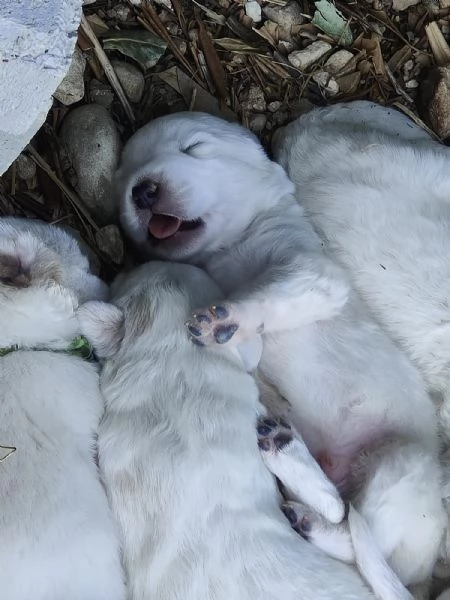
(223, 334)
(301, 524)
(281, 440)
(195, 331)
(196, 342)
(202, 318)
(220, 312)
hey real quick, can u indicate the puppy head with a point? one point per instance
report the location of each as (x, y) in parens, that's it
(43, 275)
(190, 183)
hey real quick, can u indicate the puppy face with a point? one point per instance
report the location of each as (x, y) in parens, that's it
(189, 182)
(36, 255)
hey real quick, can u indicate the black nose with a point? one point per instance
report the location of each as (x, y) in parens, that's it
(145, 194)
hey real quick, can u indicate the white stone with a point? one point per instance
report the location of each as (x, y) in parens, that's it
(71, 88)
(92, 142)
(302, 59)
(131, 78)
(326, 82)
(337, 61)
(253, 10)
(37, 40)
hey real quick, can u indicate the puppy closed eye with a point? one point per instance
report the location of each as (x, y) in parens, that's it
(193, 149)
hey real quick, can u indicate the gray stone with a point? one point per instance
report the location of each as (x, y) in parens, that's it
(326, 82)
(110, 243)
(337, 61)
(131, 78)
(25, 167)
(302, 59)
(255, 100)
(101, 93)
(71, 88)
(286, 16)
(92, 143)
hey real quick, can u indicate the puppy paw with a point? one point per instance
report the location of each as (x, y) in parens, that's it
(299, 517)
(214, 325)
(273, 434)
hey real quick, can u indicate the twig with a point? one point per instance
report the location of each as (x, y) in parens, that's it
(397, 87)
(107, 67)
(75, 201)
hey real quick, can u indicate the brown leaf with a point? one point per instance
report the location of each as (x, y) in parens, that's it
(195, 96)
(348, 84)
(213, 62)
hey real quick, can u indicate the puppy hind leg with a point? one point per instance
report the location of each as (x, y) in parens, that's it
(401, 502)
(333, 539)
(286, 456)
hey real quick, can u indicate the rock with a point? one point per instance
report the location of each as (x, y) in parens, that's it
(110, 243)
(286, 16)
(71, 88)
(274, 106)
(326, 82)
(25, 167)
(257, 123)
(255, 100)
(435, 99)
(400, 5)
(92, 143)
(302, 59)
(37, 40)
(131, 78)
(337, 61)
(101, 93)
(253, 10)
(412, 84)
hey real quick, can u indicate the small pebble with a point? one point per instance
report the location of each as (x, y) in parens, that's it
(412, 84)
(326, 82)
(337, 61)
(25, 167)
(302, 59)
(71, 88)
(253, 10)
(274, 106)
(255, 100)
(131, 78)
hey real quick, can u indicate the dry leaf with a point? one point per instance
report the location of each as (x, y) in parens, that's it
(233, 45)
(138, 44)
(213, 62)
(329, 20)
(194, 95)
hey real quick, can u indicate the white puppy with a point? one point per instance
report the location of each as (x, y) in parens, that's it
(377, 189)
(178, 451)
(200, 190)
(58, 537)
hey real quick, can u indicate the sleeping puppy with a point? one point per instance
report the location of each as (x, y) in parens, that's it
(200, 190)
(178, 452)
(377, 188)
(58, 536)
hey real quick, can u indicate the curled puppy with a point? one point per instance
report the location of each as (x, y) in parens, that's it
(377, 188)
(200, 190)
(198, 510)
(58, 536)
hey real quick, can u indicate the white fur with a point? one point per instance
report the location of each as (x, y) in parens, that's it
(199, 512)
(58, 539)
(351, 390)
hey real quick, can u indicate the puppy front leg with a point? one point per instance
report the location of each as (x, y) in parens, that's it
(286, 296)
(286, 456)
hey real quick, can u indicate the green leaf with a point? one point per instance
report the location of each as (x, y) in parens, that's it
(82, 348)
(140, 45)
(332, 22)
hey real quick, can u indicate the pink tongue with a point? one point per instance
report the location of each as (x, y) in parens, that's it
(163, 226)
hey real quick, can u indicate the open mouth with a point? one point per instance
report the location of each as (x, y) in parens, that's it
(164, 227)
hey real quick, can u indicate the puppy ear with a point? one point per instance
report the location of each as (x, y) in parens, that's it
(250, 351)
(12, 273)
(103, 325)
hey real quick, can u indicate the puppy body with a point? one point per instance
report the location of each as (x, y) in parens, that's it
(376, 187)
(58, 536)
(199, 512)
(357, 401)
